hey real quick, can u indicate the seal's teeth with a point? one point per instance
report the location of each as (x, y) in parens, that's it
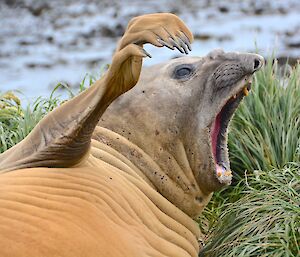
(245, 91)
(228, 173)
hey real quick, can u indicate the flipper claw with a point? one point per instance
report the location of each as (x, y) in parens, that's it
(175, 44)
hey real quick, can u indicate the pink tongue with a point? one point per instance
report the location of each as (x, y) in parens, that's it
(214, 134)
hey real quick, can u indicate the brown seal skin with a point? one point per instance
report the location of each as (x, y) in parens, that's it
(130, 184)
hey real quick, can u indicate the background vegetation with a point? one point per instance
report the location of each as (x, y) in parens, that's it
(260, 214)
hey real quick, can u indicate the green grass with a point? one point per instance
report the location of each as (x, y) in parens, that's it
(260, 214)
(263, 221)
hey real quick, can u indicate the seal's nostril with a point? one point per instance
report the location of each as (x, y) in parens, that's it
(256, 64)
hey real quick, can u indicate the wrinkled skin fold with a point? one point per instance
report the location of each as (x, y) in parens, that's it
(111, 173)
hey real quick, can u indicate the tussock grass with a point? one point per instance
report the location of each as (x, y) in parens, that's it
(264, 221)
(265, 131)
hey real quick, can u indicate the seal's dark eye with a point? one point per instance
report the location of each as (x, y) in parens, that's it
(183, 71)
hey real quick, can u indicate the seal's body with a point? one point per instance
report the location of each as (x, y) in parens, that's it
(131, 183)
(89, 211)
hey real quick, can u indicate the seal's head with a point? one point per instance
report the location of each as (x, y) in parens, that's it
(179, 114)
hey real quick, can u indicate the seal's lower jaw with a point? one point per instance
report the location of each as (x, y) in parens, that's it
(218, 131)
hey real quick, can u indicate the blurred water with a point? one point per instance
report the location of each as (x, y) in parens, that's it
(45, 42)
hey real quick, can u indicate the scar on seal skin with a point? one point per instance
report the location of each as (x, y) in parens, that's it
(114, 174)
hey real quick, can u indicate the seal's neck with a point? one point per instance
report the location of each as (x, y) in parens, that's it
(167, 172)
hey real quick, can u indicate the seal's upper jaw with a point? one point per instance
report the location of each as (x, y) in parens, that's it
(237, 77)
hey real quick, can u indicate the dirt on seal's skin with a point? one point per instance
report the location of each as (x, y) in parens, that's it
(48, 41)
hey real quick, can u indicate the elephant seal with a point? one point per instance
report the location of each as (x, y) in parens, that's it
(131, 183)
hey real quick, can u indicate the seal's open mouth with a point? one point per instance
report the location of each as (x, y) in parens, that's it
(218, 132)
